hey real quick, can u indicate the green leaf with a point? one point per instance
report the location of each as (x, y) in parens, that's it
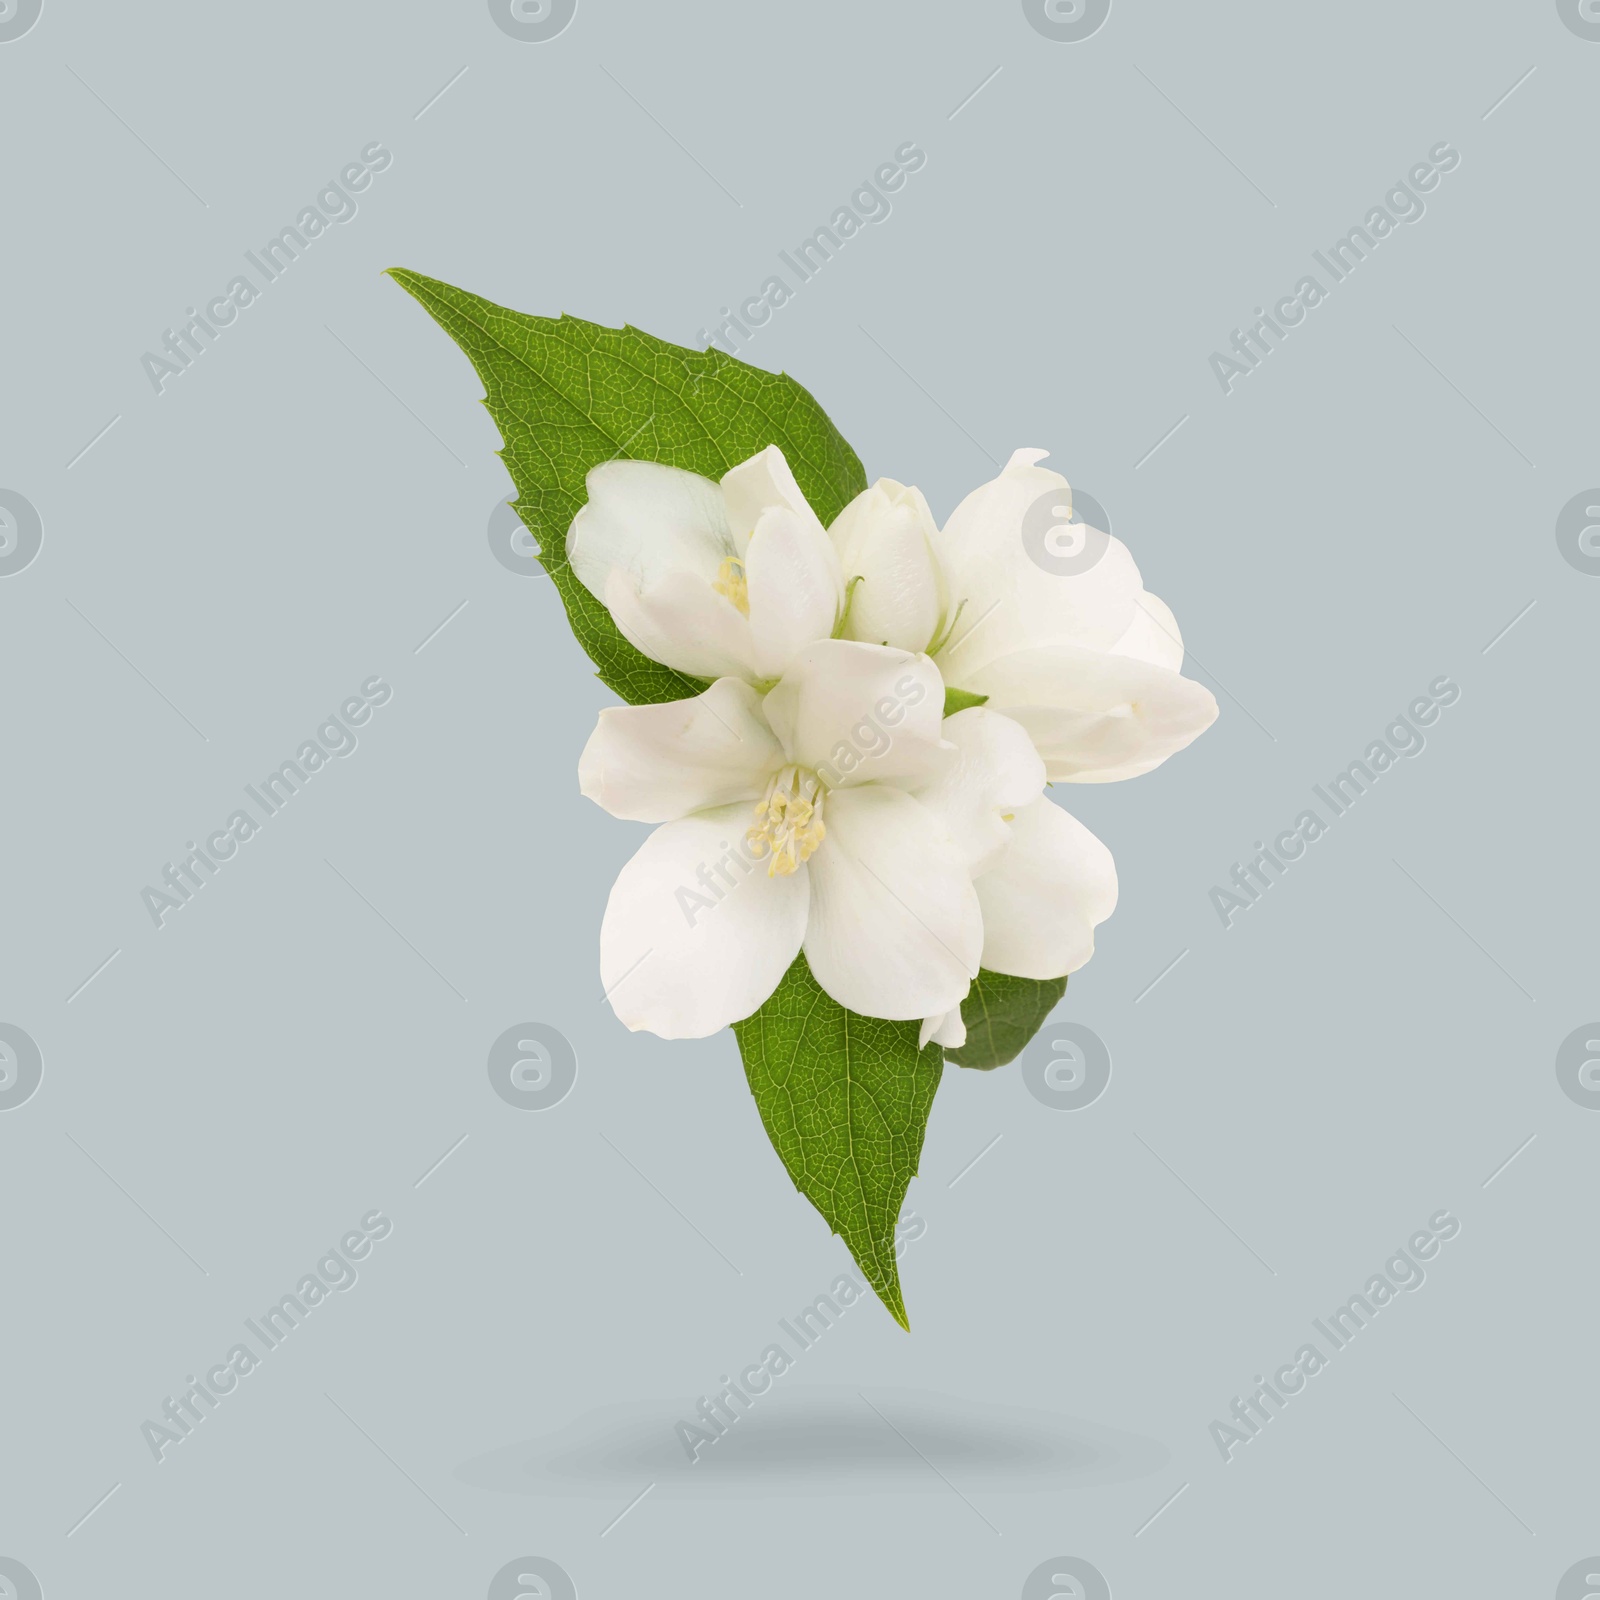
(961, 700)
(845, 1101)
(1002, 1014)
(567, 395)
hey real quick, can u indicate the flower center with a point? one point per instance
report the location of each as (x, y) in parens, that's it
(731, 583)
(788, 820)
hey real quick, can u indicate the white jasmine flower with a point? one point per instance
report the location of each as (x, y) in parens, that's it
(1086, 659)
(716, 580)
(790, 821)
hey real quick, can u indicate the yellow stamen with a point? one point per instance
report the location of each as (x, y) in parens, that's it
(731, 583)
(789, 824)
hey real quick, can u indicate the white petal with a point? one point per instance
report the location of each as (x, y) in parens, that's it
(1042, 899)
(1153, 635)
(1130, 769)
(649, 520)
(991, 552)
(1093, 716)
(996, 771)
(655, 763)
(885, 539)
(948, 1031)
(792, 574)
(859, 713)
(895, 929)
(683, 623)
(695, 936)
(763, 483)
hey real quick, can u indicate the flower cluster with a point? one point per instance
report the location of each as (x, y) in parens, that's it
(815, 797)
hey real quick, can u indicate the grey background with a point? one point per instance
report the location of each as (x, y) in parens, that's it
(305, 506)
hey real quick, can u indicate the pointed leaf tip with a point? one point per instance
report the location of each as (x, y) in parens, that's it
(845, 1100)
